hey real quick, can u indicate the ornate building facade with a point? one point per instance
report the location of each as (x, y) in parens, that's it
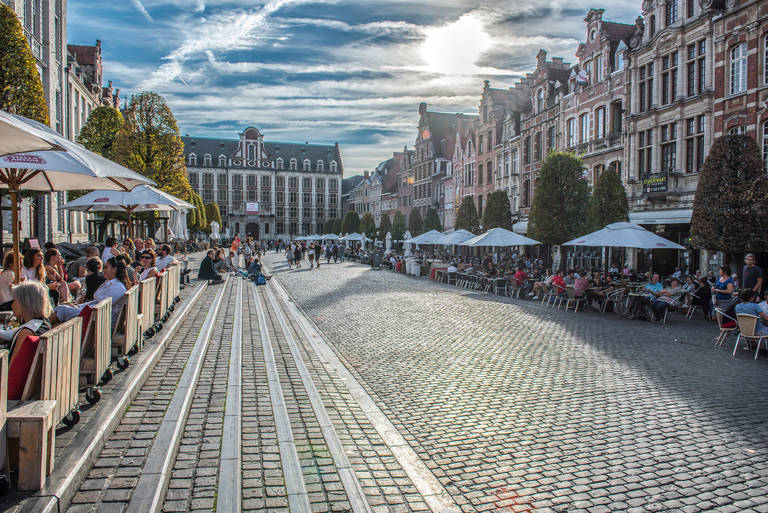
(269, 190)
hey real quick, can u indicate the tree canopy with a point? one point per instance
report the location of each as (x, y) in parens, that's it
(196, 216)
(328, 226)
(149, 143)
(368, 225)
(466, 217)
(398, 226)
(212, 214)
(384, 226)
(497, 211)
(608, 203)
(351, 223)
(729, 209)
(559, 208)
(415, 222)
(20, 84)
(99, 132)
(432, 221)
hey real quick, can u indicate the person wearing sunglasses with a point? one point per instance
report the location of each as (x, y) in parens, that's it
(146, 268)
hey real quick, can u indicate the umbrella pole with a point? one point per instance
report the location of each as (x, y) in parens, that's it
(12, 188)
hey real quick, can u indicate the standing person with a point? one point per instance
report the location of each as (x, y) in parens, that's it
(311, 255)
(723, 289)
(297, 255)
(335, 252)
(327, 253)
(751, 275)
(318, 253)
(289, 256)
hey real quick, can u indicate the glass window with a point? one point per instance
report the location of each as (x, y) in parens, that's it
(739, 68)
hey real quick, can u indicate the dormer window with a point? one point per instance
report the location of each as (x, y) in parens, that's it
(279, 162)
(332, 166)
(251, 152)
(307, 165)
(540, 100)
(222, 161)
(207, 159)
(292, 165)
(320, 167)
(192, 159)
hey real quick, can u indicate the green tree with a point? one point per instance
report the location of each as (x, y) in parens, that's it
(497, 212)
(384, 226)
(398, 226)
(559, 208)
(368, 225)
(20, 84)
(196, 216)
(337, 226)
(415, 222)
(351, 222)
(466, 217)
(212, 214)
(432, 221)
(328, 226)
(149, 143)
(608, 203)
(729, 208)
(100, 131)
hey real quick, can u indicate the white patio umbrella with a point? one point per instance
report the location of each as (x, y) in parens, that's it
(388, 239)
(454, 238)
(353, 237)
(624, 235)
(500, 238)
(143, 198)
(179, 224)
(215, 235)
(330, 236)
(14, 138)
(430, 237)
(70, 167)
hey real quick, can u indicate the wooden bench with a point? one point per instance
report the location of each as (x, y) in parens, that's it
(147, 307)
(125, 336)
(96, 349)
(161, 301)
(31, 433)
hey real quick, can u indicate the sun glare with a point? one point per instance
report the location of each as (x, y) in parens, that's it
(454, 49)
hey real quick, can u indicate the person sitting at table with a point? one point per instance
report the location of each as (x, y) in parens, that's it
(570, 277)
(90, 252)
(749, 305)
(32, 267)
(666, 297)
(580, 286)
(542, 284)
(558, 282)
(6, 282)
(146, 268)
(53, 279)
(32, 308)
(115, 287)
(166, 257)
(94, 278)
(490, 270)
(639, 303)
(702, 297)
(110, 249)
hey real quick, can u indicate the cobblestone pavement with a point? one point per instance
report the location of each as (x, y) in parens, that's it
(519, 407)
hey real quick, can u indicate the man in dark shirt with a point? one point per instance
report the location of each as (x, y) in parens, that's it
(751, 275)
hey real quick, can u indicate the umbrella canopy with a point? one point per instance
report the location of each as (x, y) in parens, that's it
(178, 224)
(454, 238)
(71, 168)
(624, 235)
(15, 138)
(431, 237)
(499, 237)
(330, 236)
(143, 198)
(353, 237)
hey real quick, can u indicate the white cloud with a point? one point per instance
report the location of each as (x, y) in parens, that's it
(140, 7)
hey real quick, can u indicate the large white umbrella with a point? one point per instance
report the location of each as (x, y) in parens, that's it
(70, 167)
(454, 238)
(178, 224)
(143, 198)
(353, 237)
(500, 238)
(14, 138)
(330, 236)
(388, 239)
(430, 237)
(624, 235)
(215, 235)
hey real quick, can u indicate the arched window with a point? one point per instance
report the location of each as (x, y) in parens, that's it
(207, 159)
(222, 161)
(279, 163)
(739, 68)
(540, 100)
(737, 130)
(192, 159)
(320, 167)
(307, 165)
(332, 166)
(652, 26)
(765, 144)
(292, 165)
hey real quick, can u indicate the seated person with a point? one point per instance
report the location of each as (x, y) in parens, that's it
(6, 281)
(165, 257)
(54, 278)
(218, 261)
(94, 279)
(570, 277)
(542, 284)
(255, 269)
(638, 303)
(702, 297)
(749, 305)
(115, 287)
(90, 252)
(580, 286)
(32, 308)
(452, 268)
(669, 295)
(146, 268)
(491, 270)
(559, 284)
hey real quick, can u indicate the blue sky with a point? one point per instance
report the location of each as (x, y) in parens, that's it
(325, 71)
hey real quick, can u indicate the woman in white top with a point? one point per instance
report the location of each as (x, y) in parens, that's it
(32, 266)
(32, 307)
(110, 249)
(146, 267)
(6, 280)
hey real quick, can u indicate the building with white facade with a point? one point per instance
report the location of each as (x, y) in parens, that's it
(267, 190)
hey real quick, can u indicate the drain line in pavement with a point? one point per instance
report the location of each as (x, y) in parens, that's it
(298, 499)
(347, 474)
(147, 497)
(228, 498)
(435, 495)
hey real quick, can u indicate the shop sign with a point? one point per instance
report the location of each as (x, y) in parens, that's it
(655, 183)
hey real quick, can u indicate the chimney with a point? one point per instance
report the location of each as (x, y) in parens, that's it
(422, 108)
(365, 174)
(98, 43)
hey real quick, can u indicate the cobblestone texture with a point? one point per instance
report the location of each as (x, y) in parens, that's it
(113, 476)
(518, 407)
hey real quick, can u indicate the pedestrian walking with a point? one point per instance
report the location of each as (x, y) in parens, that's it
(297, 255)
(311, 254)
(318, 253)
(335, 252)
(289, 256)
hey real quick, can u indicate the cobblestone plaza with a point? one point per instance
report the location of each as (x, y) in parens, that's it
(516, 406)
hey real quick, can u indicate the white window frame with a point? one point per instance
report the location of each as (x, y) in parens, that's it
(738, 55)
(765, 144)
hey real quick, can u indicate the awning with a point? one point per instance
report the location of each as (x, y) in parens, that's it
(682, 216)
(520, 227)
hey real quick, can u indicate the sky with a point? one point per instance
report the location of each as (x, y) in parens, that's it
(326, 71)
